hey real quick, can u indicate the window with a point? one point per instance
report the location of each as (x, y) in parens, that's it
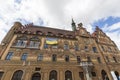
(89, 59)
(94, 49)
(40, 57)
(37, 69)
(45, 46)
(66, 47)
(53, 75)
(1, 74)
(55, 46)
(114, 59)
(9, 55)
(109, 49)
(21, 43)
(107, 59)
(104, 75)
(17, 75)
(76, 47)
(68, 75)
(24, 57)
(93, 74)
(54, 57)
(78, 59)
(34, 44)
(66, 58)
(86, 48)
(102, 48)
(98, 59)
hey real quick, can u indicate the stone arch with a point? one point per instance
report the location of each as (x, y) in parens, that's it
(53, 75)
(17, 75)
(68, 75)
(104, 75)
(36, 76)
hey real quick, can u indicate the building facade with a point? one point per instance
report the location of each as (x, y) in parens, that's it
(41, 53)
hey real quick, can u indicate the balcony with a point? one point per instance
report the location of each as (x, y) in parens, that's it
(86, 63)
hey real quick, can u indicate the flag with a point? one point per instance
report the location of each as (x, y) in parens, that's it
(51, 41)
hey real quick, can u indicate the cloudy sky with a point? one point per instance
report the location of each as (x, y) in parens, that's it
(58, 14)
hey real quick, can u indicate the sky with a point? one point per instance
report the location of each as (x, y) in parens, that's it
(59, 13)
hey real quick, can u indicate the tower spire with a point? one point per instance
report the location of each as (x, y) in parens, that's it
(73, 25)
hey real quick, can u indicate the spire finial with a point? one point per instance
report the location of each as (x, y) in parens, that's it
(73, 25)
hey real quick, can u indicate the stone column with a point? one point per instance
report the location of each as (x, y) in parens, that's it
(61, 75)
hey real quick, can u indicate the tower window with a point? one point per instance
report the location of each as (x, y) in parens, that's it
(66, 58)
(24, 56)
(9, 55)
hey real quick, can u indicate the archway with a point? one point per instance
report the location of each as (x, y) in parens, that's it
(104, 75)
(36, 76)
(17, 75)
(53, 75)
(68, 75)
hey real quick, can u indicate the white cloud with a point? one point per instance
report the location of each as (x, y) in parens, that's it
(113, 32)
(115, 26)
(57, 13)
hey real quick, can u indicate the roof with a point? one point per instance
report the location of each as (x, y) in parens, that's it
(45, 31)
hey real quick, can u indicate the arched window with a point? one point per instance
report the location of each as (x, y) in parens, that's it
(17, 75)
(104, 75)
(68, 75)
(53, 75)
(36, 76)
(117, 75)
(1, 74)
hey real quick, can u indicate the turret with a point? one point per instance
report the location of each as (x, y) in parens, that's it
(73, 25)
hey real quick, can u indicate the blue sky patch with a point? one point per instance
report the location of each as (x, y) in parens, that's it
(18, 1)
(108, 21)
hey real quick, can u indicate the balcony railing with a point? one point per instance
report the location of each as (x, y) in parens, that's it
(86, 63)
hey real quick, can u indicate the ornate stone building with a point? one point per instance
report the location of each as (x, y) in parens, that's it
(40, 53)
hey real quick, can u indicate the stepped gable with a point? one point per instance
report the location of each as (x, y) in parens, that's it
(45, 31)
